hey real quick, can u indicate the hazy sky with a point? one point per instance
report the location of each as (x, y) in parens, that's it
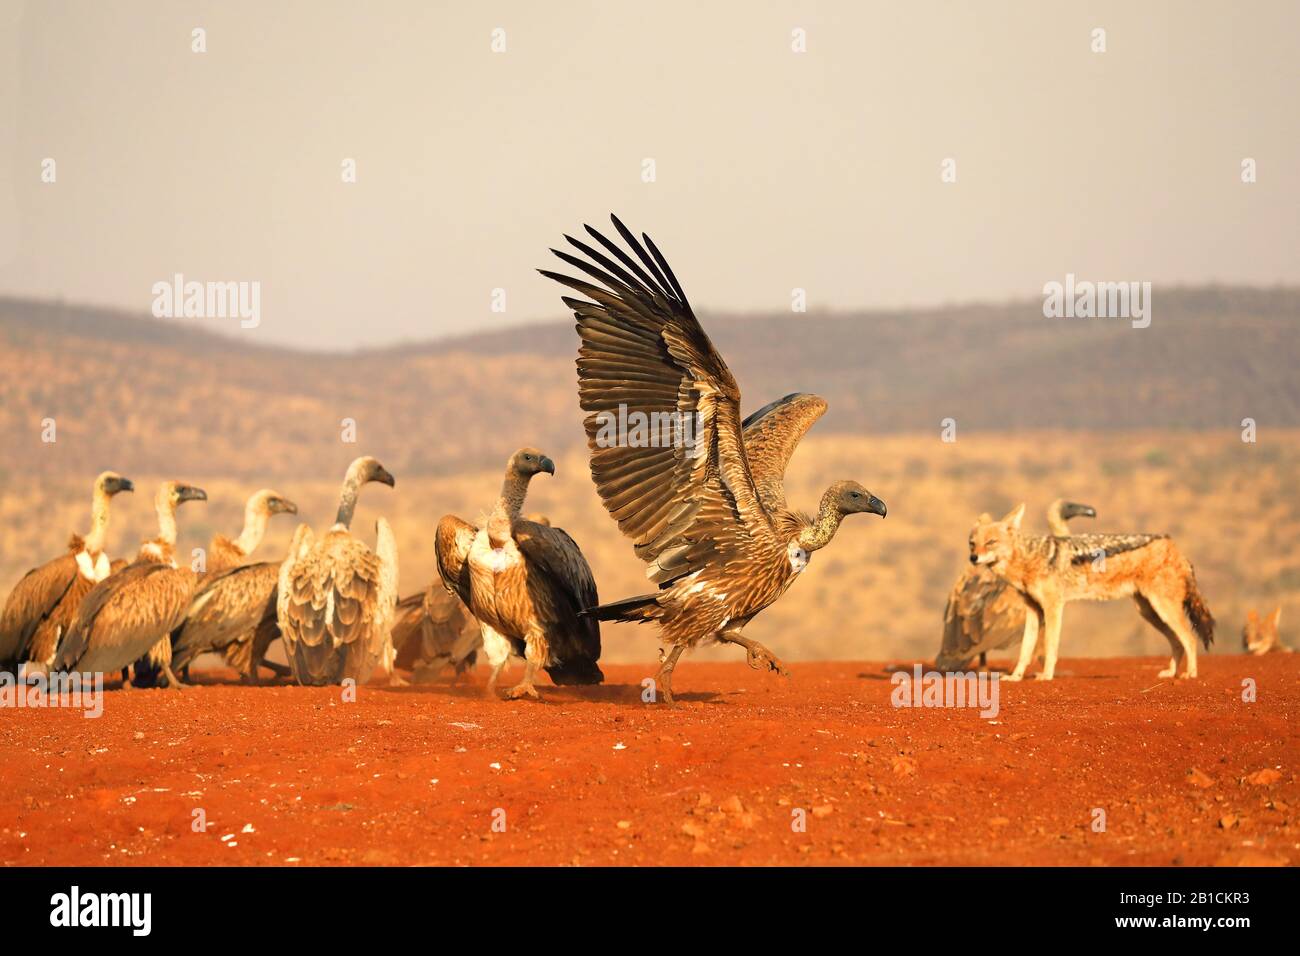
(774, 169)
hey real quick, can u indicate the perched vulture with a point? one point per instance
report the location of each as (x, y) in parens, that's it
(42, 605)
(336, 597)
(527, 583)
(132, 612)
(234, 608)
(434, 631)
(703, 500)
(985, 613)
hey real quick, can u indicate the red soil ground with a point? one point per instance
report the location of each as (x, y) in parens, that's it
(1186, 772)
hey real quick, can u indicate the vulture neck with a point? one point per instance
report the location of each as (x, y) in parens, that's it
(166, 518)
(818, 534)
(255, 518)
(507, 510)
(347, 501)
(1056, 523)
(94, 541)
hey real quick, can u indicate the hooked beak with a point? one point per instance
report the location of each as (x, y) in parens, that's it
(288, 507)
(124, 484)
(1076, 510)
(876, 507)
(190, 493)
(547, 465)
(384, 477)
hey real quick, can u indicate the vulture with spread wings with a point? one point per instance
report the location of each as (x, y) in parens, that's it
(701, 492)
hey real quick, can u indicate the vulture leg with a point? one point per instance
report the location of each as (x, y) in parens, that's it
(664, 678)
(984, 659)
(172, 679)
(497, 650)
(535, 654)
(760, 657)
(126, 678)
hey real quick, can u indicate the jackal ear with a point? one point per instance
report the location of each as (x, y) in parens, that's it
(984, 518)
(1012, 520)
(1275, 617)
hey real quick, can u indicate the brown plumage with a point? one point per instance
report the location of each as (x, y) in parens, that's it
(234, 608)
(525, 581)
(42, 605)
(432, 631)
(131, 612)
(705, 510)
(984, 613)
(336, 597)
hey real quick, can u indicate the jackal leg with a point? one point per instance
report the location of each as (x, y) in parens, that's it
(1171, 613)
(1151, 617)
(1026, 644)
(1051, 639)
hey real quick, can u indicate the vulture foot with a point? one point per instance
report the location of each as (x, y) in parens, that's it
(524, 688)
(664, 678)
(760, 658)
(172, 680)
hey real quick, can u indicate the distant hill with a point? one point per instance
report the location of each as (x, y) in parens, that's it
(158, 396)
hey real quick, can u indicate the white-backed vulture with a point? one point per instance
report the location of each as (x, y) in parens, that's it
(42, 605)
(337, 597)
(984, 613)
(433, 631)
(225, 553)
(525, 581)
(234, 608)
(705, 505)
(132, 612)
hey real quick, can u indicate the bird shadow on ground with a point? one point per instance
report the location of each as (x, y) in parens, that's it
(561, 694)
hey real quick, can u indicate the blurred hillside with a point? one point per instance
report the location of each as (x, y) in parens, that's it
(151, 396)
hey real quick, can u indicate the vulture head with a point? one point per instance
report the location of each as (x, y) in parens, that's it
(1072, 509)
(851, 499)
(992, 542)
(111, 483)
(527, 462)
(175, 493)
(367, 469)
(273, 503)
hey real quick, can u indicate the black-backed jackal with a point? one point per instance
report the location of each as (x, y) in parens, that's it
(1260, 635)
(1050, 571)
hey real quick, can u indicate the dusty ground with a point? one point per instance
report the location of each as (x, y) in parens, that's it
(1187, 773)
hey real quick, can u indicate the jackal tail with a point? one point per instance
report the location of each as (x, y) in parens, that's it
(1197, 611)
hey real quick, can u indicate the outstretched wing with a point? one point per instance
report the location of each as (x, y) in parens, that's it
(560, 579)
(686, 497)
(451, 546)
(771, 435)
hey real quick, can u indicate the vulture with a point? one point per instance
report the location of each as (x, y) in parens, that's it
(527, 583)
(336, 597)
(234, 608)
(985, 613)
(433, 631)
(225, 553)
(702, 495)
(43, 603)
(132, 612)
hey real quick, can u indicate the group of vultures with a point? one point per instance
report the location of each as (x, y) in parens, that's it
(707, 514)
